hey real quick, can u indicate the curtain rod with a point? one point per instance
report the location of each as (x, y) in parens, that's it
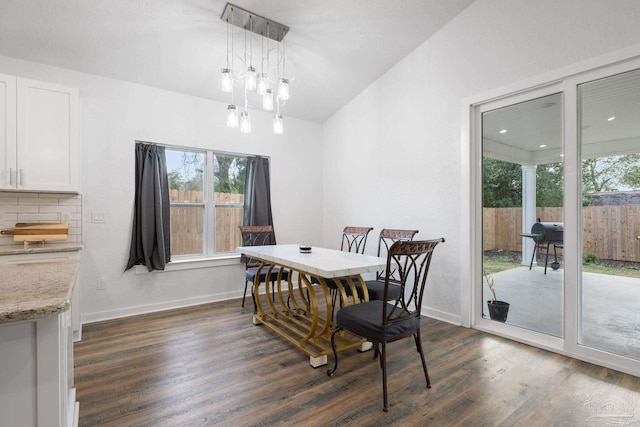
(183, 148)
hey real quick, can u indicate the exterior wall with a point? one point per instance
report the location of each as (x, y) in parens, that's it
(393, 156)
(114, 114)
(618, 198)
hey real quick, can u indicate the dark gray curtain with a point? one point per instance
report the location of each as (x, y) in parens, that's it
(150, 234)
(257, 192)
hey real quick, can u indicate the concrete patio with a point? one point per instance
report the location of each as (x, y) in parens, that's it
(611, 306)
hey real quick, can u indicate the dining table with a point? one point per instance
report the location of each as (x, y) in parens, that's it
(301, 311)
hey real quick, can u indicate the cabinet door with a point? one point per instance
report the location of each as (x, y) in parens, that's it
(7, 131)
(47, 135)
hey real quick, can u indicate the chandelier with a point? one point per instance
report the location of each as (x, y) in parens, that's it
(270, 86)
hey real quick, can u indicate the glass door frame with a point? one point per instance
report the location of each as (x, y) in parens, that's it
(565, 81)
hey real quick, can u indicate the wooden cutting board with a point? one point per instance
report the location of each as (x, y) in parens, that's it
(39, 231)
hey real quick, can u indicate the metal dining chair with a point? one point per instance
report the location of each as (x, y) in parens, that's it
(354, 239)
(259, 235)
(375, 287)
(383, 321)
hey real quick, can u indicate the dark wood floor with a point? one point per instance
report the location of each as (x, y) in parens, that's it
(209, 365)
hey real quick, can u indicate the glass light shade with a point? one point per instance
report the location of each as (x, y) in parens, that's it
(245, 122)
(263, 83)
(232, 116)
(250, 79)
(226, 80)
(278, 124)
(283, 89)
(267, 100)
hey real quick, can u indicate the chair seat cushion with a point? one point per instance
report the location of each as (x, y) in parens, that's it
(376, 290)
(250, 274)
(365, 319)
(331, 284)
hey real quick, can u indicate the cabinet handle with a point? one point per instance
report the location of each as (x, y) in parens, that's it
(11, 177)
(20, 178)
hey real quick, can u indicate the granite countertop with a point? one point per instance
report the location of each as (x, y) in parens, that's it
(36, 248)
(35, 290)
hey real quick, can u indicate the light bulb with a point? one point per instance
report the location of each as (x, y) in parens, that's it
(267, 100)
(278, 124)
(232, 116)
(245, 122)
(283, 89)
(226, 80)
(263, 83)
(250, 78)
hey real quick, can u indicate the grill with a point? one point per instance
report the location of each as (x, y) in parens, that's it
(549, 233)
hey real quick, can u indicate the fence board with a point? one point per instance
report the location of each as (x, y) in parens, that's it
(610, 232)
(187, 222)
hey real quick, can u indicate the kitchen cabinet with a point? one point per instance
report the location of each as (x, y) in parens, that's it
(39, 136)
(36, 345)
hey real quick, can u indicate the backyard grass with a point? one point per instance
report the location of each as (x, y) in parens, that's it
(495, 261)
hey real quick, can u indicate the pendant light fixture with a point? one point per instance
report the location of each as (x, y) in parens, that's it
(272, 68)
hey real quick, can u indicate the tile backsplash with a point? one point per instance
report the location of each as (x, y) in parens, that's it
(40, 207)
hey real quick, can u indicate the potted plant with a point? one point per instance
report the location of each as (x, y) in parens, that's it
(498, 310)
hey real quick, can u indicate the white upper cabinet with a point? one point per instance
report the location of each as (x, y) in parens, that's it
(39, 145)
(7, 130)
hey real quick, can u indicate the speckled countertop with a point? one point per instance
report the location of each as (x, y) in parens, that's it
(31, 291)
(36, 248)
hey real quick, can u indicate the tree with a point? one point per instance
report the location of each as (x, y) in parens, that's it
(549, 180)
(613, 173)
(501, 184)
(502, 181)
(189, 175)
(229, 174)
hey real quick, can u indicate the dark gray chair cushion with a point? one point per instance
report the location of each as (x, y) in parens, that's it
(376, 290)
(365, 319)
(250, 274)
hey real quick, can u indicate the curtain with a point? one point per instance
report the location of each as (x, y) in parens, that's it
(257, 192)
(150, 234)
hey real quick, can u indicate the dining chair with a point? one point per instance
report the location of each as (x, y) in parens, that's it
(354, 239)
(383, 321)
(259, 235)
(375, 287)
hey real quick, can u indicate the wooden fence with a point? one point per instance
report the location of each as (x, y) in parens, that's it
(188, 224)
(610, 232)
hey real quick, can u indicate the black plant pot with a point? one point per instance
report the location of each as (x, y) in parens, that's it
(498, 310)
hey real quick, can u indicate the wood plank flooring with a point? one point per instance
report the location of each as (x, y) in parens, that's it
(209, 365)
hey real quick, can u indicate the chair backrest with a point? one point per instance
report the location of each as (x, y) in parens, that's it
(354, 239)
(388, 237)
(256, 235)
(412, 260)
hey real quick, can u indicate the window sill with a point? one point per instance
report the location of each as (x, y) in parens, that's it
(193, 263)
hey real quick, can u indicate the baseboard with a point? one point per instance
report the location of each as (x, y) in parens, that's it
(151, 308)
(167, 305)
(454, 319)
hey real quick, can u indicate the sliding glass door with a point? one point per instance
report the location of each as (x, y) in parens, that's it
(556, 194)
(522, 214)
(609, 139)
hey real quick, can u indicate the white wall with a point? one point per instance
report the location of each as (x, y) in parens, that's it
(393, 156)
(113, 115)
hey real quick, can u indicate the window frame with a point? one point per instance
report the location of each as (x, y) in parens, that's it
(209, 257)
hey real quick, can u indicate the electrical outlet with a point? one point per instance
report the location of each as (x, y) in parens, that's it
(101, 284)
(66, 217)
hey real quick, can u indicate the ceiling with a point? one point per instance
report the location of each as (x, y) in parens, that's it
(339, 47)
(532, 132)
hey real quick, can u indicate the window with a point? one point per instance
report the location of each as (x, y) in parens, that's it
(206, 193)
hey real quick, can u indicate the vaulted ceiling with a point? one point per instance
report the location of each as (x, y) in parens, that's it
(339, 47)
